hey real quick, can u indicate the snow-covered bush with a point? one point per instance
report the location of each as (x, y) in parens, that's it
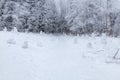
(25, 45)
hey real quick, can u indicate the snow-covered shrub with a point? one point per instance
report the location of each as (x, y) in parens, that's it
(25, 45)
(11, 41)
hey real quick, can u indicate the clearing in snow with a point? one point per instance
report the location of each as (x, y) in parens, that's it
(27, 56)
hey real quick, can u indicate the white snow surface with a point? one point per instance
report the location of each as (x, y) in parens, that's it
(27, 56)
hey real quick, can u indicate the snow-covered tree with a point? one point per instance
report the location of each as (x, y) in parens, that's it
(61, 16)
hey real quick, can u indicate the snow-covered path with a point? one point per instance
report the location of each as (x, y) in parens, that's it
(26, 56)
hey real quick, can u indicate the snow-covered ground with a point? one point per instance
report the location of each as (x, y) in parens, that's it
(27, 56)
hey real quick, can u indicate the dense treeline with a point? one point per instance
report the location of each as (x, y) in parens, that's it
(70, 17)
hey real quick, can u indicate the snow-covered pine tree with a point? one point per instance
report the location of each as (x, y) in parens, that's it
(37, 19)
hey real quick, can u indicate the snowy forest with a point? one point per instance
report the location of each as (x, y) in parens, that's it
(59, 39)
(75, 17)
